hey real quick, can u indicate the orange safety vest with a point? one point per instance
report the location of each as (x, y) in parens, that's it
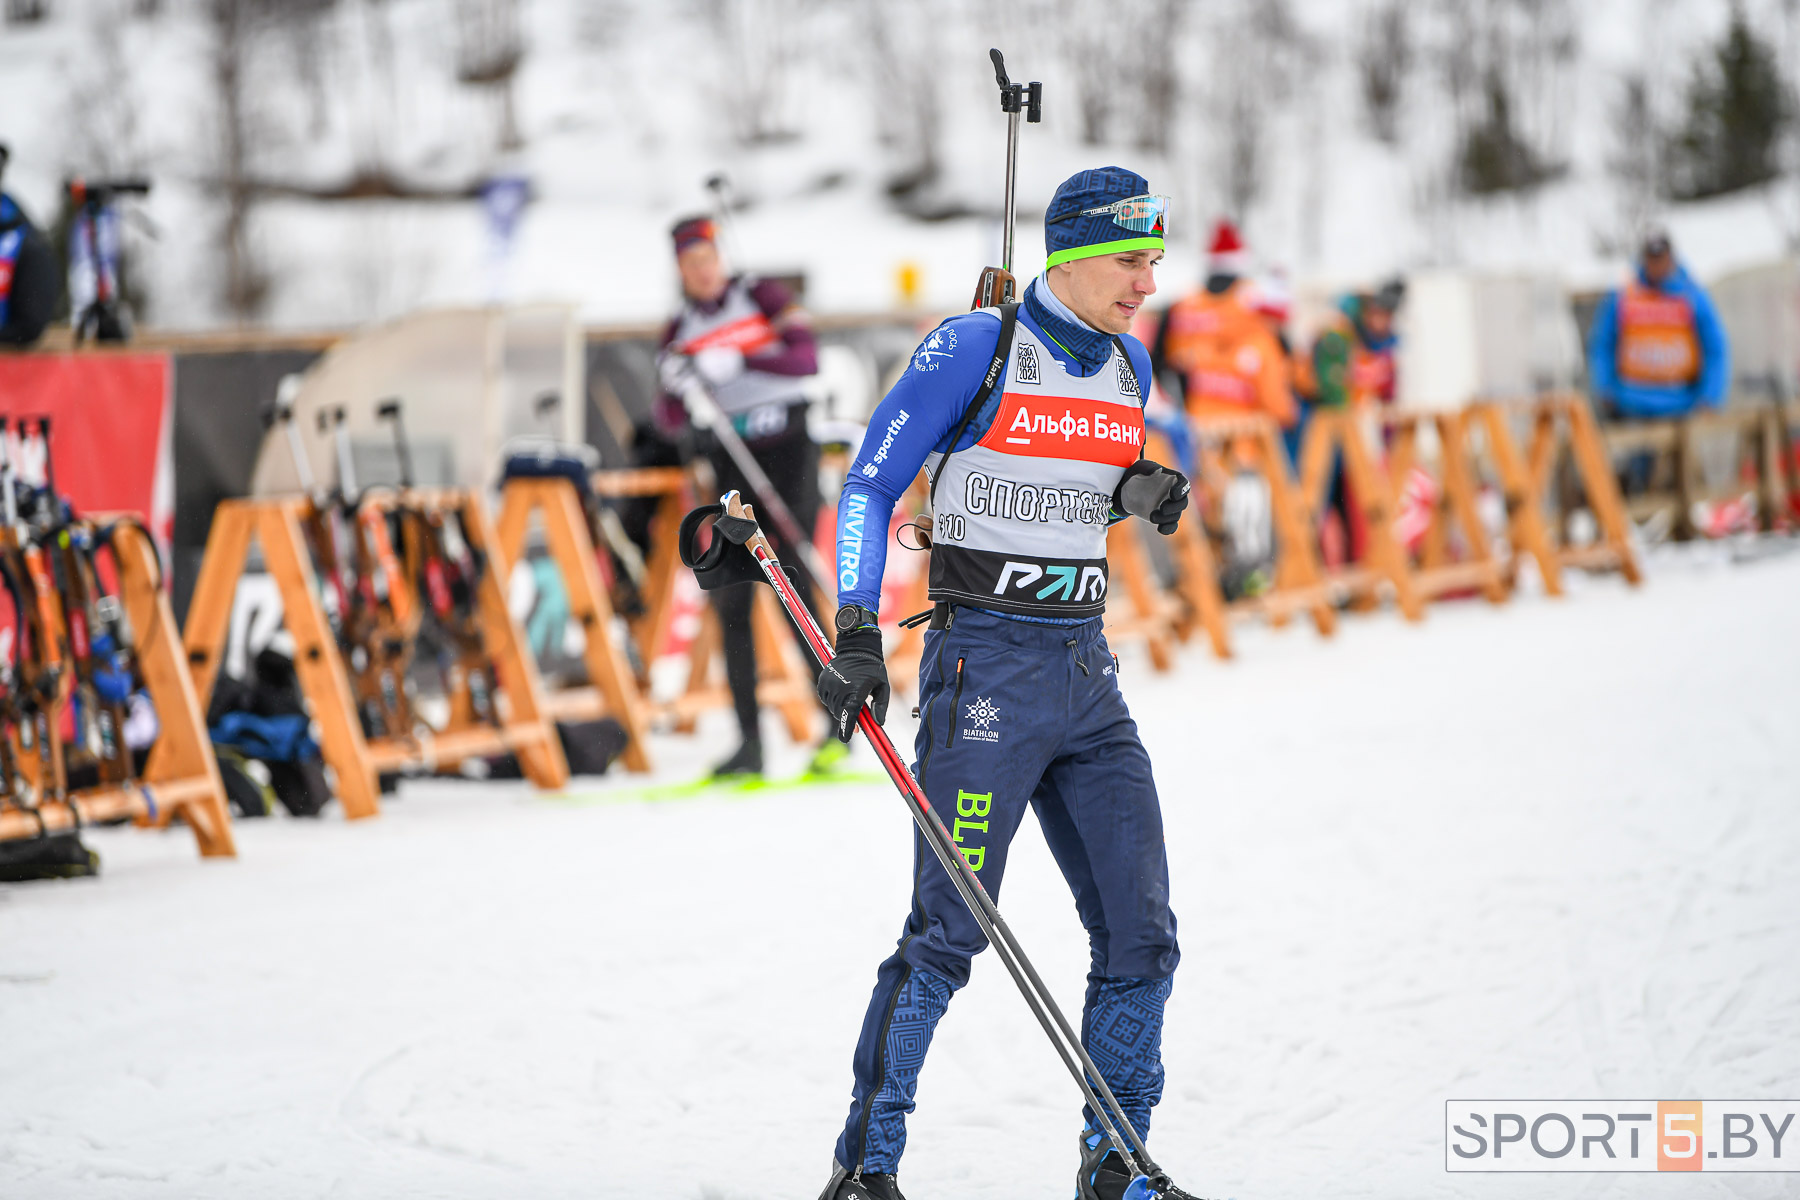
(1657, 342)
(1227, 357)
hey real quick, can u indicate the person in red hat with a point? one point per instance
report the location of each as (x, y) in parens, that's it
(750, 345)
(1215, 352)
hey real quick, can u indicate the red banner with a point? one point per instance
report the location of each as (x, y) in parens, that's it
(110, 428)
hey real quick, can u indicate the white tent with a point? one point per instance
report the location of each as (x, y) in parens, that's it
(467, 379)
(1760, 307)
(1467, 335)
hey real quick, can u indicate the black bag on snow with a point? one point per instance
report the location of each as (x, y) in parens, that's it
(52, 856)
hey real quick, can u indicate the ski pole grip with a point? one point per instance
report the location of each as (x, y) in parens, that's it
(387, 410)
(734, 505)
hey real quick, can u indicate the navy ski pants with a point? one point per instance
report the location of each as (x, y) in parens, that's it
(1017, 714)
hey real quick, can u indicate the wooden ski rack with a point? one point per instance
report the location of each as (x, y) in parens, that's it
(1758, 446)
(1300, 584)
(1198, 601)
(181, 777)
(1560, 421)
(1334, 432)
(613, 689)
(1148, 613)
(278, 525)
(783, 682)
(1450, 477)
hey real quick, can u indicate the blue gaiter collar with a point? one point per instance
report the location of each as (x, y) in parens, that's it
(1087, 347)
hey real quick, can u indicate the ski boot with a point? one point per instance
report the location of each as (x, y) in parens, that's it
(747, 762)
(1103, 1176)
(827, 758)
(845, 1186)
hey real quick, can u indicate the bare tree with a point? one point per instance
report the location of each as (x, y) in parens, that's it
(1636, 161)
(103, 100)
(304, 28)
(906, 66)
(1092, 45)
(759, 41)
(1509, 67)
(1257, 50)
(1384, 59)
(1159, 44)
(24, 12)
(490, 44)
(246, 284)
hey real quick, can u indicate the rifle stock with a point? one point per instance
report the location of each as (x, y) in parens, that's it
(996, 287)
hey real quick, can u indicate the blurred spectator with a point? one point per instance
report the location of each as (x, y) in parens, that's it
(1354, 358)
(1220, 355)
(1270, 298)
(747, 343)
(1353, 364)
(1217, 354)
(30, 280)
(1657, 347)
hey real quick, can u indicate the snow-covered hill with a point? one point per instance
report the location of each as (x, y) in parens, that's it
(623, 108)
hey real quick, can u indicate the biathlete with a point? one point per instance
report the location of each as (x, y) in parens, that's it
(752, 346)
(1029, 420)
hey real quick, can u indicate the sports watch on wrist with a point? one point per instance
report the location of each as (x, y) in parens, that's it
(855, 616)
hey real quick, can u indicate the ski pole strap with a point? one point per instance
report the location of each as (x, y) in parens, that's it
(1009, 317)
(725, 561)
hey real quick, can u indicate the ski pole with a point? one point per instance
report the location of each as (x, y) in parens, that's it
(283, 410)
(719, 184)
(389, 410)
(707, 414)
(1149, 1181)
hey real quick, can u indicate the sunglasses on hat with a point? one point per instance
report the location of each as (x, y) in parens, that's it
(1140, 214)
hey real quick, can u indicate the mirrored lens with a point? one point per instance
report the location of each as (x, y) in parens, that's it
(1141, 214)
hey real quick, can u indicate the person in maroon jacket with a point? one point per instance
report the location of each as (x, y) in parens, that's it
(751, 345)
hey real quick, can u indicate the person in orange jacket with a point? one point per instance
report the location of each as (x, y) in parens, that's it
(1216, 353)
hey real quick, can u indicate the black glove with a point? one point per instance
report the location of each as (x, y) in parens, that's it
(1154, 492)
(856, 674)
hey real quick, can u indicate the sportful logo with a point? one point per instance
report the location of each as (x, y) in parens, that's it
(872, 468)
(1027, 371)
(940, 343)
(850, 540)
(1061, 579)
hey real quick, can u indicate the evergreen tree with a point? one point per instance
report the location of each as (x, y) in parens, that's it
(1737, 110)
(1493, 156)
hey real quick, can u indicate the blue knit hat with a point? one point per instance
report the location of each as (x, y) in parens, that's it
(1070, 232)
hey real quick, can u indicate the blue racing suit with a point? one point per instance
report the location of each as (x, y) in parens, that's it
(1018, 709)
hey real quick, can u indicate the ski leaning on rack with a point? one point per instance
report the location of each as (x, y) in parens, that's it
(737, 524)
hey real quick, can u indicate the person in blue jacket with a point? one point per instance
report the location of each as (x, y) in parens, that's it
(1657, 347)
(1029, 420)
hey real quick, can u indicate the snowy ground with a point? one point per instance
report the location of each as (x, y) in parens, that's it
(1546, 851)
